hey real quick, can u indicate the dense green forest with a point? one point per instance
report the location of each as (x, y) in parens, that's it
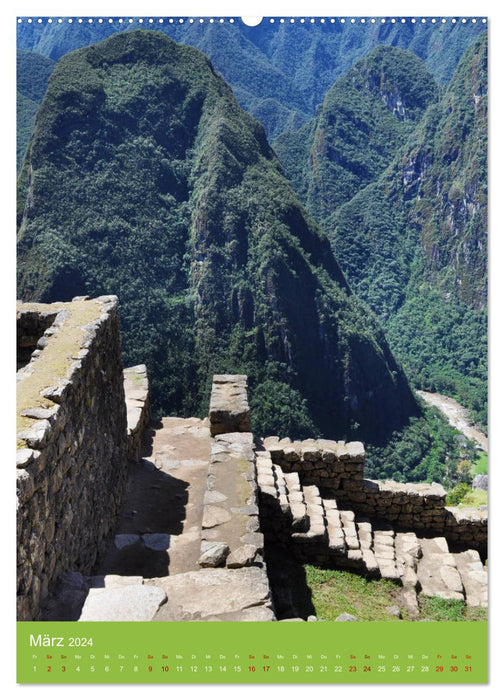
(146, 179)
(33, 71)
(279, 72)
(406, 214)
(364, 119)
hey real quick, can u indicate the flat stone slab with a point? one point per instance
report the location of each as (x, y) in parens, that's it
(224, 594)
(129, 603)
(474, 578)
(243, 556)
(214, 515)
(437, 573)
(213, 553)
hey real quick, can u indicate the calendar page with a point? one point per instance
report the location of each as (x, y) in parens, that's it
(252, 349)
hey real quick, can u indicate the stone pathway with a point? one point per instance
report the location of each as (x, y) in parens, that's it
(152, 568)
(160, 530)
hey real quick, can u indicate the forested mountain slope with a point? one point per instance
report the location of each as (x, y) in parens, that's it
(279, 72)
(144, 178)
(411, 237)
(365, 117)
(33, 71)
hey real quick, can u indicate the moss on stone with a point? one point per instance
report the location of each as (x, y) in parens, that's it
(54, 362)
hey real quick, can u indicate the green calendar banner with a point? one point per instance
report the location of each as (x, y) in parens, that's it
(255, 652)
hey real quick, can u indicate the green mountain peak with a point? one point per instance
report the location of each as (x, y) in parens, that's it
(144, 178)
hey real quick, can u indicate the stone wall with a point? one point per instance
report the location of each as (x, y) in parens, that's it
(31, 325)
(230, 528)
(71, 459)
(229, 409)
(138, 410)
(338, 468)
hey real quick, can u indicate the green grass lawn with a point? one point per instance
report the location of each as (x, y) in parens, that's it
(337, 592)
(473, 499)
(449, 610)
(481, 466)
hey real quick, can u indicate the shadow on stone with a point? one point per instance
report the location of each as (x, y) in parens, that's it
(148, 436)
(154, 509)
(292, 597)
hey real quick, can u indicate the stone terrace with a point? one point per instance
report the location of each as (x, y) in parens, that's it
(319, 527)
(188, 546)
(202, 500)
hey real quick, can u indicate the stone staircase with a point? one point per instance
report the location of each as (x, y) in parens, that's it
(320, 532)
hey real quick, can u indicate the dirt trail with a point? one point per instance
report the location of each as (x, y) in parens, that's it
(457, 416)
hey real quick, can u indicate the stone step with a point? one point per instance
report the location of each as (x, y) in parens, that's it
(385, 555)
(365, 537)
(408, 551)
(474, 577)
(315, 523)
(438, 575)
(297, 503)
(349, 530)
(334, 526)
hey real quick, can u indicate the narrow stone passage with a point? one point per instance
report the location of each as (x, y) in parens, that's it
(187, 546)
(160, 529)
(159, 533)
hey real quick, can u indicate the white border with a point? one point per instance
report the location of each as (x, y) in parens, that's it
(273, 8)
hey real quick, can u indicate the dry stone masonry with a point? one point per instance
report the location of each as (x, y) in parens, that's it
(71, 458)
(230, 527)
(81, 419)
(229, 409)
(136, 390)
(396, 531)
(339, 468)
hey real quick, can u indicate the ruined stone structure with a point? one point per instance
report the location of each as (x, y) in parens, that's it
(136, 391)
(72, 441)
(420, 544)
(339, 468)
(109, 529)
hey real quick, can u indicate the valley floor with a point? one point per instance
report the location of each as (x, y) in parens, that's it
(457, 416)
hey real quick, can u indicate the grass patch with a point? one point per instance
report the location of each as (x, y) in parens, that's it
(336, 592)
(474, 499)
(441, 610)
(55, 360)
(481, 466)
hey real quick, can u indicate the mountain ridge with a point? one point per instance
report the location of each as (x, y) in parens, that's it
(146, 179)
(420, 264)
(291, 66)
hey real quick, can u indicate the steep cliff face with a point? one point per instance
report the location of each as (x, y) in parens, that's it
(144, 177)
(395, 171)
(365, 117)
(422, 264)
(32, 74)
(444, 173)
